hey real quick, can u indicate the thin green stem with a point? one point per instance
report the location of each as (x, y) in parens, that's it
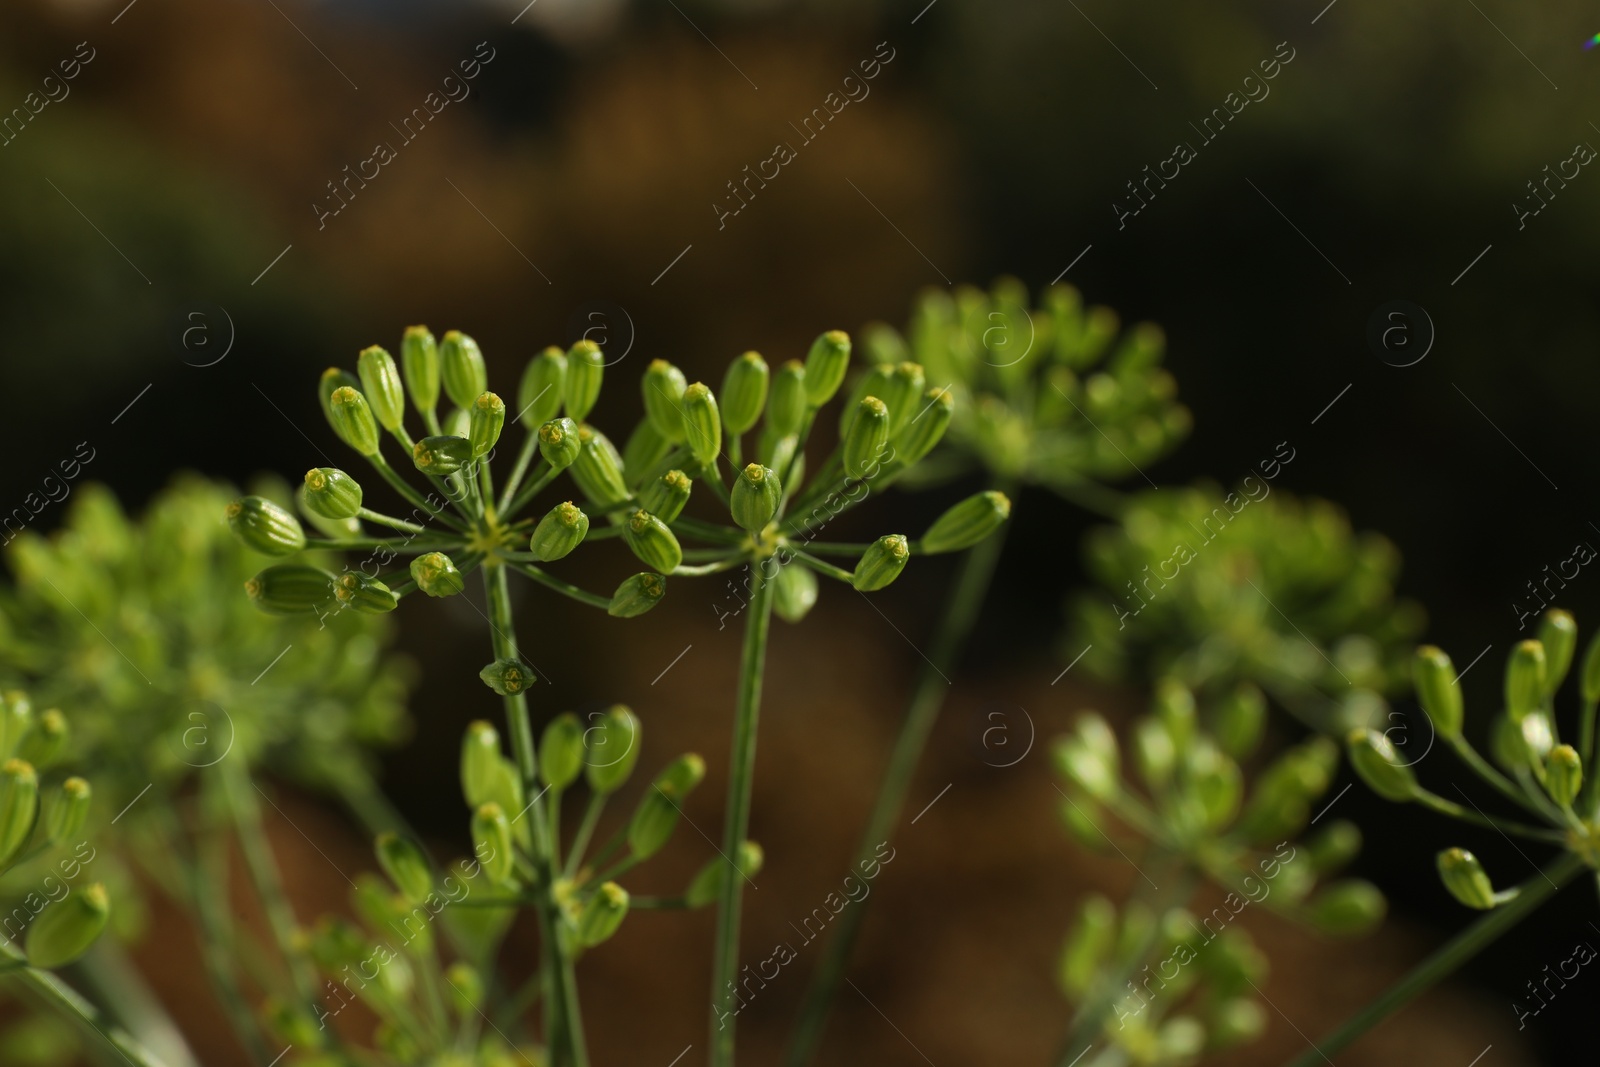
(736, 824)
(1434, 802)
(657, 903)
(707, 531)
(1457, 951)
(835, 548)
(955, 625)
(1092, 496)
(726, 564)
(115, 982)
(52, 992)
(530, 448)
(824, 568)
(405, 489)
(1485, 770)
(1586, 739)
(208, 881)
(582, 596)
(531, 490)
(586, 828)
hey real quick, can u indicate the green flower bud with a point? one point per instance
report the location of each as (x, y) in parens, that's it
(19, 803)
(866, 444)
(637, 595)
(486, 418)
(562, 529)
(795, 593)
(437, 575)
(1438, 690)
(290, 589)
(662, 387)
(332, 379)
(1153, 752)
(744, 392)
(602, 914)
(1181, 1039)
(539, 395)
(753, 501)
(1088, 945)
(444, 454)
(903, 394)
(1591, 671)
(467, 986)
(353, 421)
(704, 886)
(1279, 806)
(265, 527)
(657, 814)
(367, 595)
(419, 358)
(332, 493)
(380, 382)
(480, 762)
(786, 407)
(645, 450)
(598, 469)
(67, 811)
(881, 563)
(561, 751)
(46, 741)
(967, 523)
(406, 865)
(585, 369)
(1558, 633)
(508, 677)
(16, 718)
(877, 382)
(610, 749)
(67, 929)
(1525, 678)
(665, 497)
(1214, 782)
(1378, 764)
(1538, 735)
(1563, 774)
(559, 442)
(926, 428)
(653, 542)
(1334, 847)
(491, 842)
(463, 371)
(1090, 759)
(826, 365)
(1240, 718)
(1464, 877)
(1348, 908)
(702, 423)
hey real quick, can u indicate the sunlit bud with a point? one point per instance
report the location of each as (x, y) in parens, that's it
(419, 358)
(701, 422)
(1378, 764)
(875, 382)
(380, 382)
(865, 445)
(1181, 1039)
(562, 529)
(1088, 945)
(461, 363)
(480, 762)
(444, 454)
(926, 426)
(367, 595)
(332, 379)
(1237, 1021)
(652, 541)
(559, 442)
(561, 751)
(662, 388)
(794, 593)
(290, 589)
(1525, 678)
(786, 406)
(265, 527)
(1153, 752)
(508, 677)
(1538, 735)
(1438, 690)
(665, 497)
(1214, 782)
(506, 791)
(826, 365)
(332, 493)
(703, 888)
(353, 421)
(485, 420)
(540, 394)
(1089, 757)
(967, 523)
(904, 394)
(881, 563)
(1174, 705)
(491, 842)
(602, 914)
(1239, 720)
(65, 930)
(437, 575)
(46, 740)
(1558, 632)
(598, 469)
(1563, 771)
(1334, 847)
(1347, 908)
(67, 811)
(581, 387)
(406, 865)
(19, 803)
(744, 392)
(1464, 877)
(610, 748)
(657, 814)
(753, 501)
(637, 595)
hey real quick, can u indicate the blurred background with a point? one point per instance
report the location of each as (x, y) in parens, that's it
(187, 250)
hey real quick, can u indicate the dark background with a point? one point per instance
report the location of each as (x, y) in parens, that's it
(1385, 159)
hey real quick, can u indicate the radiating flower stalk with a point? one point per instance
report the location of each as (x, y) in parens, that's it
(1531, 767)
(689, 437)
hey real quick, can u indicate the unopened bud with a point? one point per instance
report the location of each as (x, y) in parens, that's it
(1558, 632)
(265, 527)
(653, 542)
(1563, 771)
(67, 811)
(486, 419)
(705, 884)
(657, 814)
(559, 442)
(491, 842)
(662, 388)
(562, 529)
(367, 595)
(406, 865)
(380, 383)
(463, 371)
(794, 593)
(637, 595)
(1376, 761)
(1348, 908)
(539, 395)
(561, 751)
(610, 749)
(665, 497)
(46, 740)
(480, 762)
(881, 563)
(967, 523)
(19, 803)
(744, 392)
(419, 358)
(602, 914)
(786, 406)
(926, 427)
(444, 454)
(753, 501)
(353, 420)
(508, 677)
(585, 370)
(598, 469)
(290, 589)
(1438, 690)
(866, 443)
(66, 929)
(437, 575)
(332, 493)
(1465, 878)
(1525, 678)
(826, 365)
(701, 423)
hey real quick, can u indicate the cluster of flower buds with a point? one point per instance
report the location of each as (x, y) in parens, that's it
(1216, 588)
(1055, 395)
(1537, 770)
